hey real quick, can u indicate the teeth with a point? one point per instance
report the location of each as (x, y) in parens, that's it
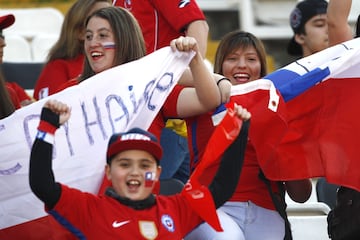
(95, 54)
(241, 75)
(134, 182)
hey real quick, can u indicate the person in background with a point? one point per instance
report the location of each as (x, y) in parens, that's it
(17, 94)
(309, 23)
(251, 213)
(161, 22)
(66, 58)
(8, 100)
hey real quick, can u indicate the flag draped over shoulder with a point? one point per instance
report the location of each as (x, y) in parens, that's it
(112, 101)
(321, 93)
(268, 125)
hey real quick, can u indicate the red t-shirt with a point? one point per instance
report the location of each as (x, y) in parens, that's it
(19, 91)
(162, 21)
(250, 187)
(14, 98)
(55, 74)
(103, 217)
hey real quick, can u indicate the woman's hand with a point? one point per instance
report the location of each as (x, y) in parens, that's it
(184, 44)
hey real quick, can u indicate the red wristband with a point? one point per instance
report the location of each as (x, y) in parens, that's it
(46, 127)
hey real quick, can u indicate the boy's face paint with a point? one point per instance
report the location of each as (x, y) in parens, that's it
(149, 179)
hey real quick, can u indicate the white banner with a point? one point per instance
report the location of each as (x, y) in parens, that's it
(115, 100)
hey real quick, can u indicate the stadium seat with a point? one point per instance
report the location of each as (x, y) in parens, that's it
(308, 220)
(25, 74)
(267, 19)
(33, 21)
(307, 209)
(40, 46)
(17, 49)
(309, 227)
(170, 186)
(326, 192)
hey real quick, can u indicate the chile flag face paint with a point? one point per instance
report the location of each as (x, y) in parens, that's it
(149, 179)
(109, 45)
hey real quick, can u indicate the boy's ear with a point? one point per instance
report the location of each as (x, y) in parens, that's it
(107, 172)
(158, 172)
(299, 38)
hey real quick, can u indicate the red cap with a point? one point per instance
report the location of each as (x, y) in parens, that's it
(135, 138)
(6, 21)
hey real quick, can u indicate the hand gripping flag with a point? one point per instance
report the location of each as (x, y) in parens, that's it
(197, 194)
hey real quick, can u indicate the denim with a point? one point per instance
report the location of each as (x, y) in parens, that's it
(175, 162)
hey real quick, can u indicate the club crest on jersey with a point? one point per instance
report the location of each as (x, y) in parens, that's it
(148, 229)
(127, 4)
(168, 223)
(183, 3)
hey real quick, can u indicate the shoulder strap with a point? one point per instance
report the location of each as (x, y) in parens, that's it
(280, 204)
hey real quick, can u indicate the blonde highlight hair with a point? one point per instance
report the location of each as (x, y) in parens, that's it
(69, 45)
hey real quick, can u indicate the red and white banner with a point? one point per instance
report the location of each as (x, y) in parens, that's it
(115, 100)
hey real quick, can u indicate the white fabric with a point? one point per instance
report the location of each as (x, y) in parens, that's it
(112, 101)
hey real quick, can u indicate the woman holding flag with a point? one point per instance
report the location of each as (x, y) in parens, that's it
(257, 208)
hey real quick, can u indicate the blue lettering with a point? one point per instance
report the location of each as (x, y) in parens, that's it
(112, 119)
(164, 84)
(93, 123)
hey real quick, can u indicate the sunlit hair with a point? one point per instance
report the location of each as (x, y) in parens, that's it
(69, 45)
(235, 40)
(6, 105)
(129, 41)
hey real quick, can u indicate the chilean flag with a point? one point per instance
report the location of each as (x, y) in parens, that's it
(321, 94)
(303, 125)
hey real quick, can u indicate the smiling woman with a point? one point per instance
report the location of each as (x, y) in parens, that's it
(101, 42)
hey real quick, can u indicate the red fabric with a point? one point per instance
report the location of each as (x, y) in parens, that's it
(56, 73)
(197, 194)
(162, 21)
(47, 127)
(13, 96)
(96, 216)
(38, 229)
(70, 83)
(266, 130)
(322, 140)
(20, 92)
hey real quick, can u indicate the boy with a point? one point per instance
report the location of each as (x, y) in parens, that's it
(128, 210)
